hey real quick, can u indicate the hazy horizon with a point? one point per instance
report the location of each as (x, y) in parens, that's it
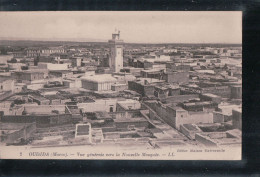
(136, 27)
(104, 41)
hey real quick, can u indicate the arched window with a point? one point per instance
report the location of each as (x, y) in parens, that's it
(111, 109)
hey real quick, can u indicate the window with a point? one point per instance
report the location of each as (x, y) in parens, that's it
(111, 109)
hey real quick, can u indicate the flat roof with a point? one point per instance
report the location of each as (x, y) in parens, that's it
(149, 80)
(101, 78)
(5, 78)
(139, 119)
(60, 71)
(151, 70)
(200, 103)
(190, 127)
(211, 95)
(29, 72)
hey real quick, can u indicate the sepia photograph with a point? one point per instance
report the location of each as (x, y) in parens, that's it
(129, 85)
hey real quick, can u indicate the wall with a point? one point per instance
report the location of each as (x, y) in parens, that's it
(148, 90)
(27, 76)
(98, 105)
(223, 91)
(218, 117)
(173, 92)
(44, 109)
(144, 90)
(164, 112)
(237, 119)
(161, 94)
(36, 76)
(159, 66)
(236, 92)
(5, 95)
(89, 85)
(204, 140)
(35, 86)
(5, 107)
(175, 67)
(137, 123)
(128, 105)
(51, 66)
(104, 86)
(120, 87)
(139, 88)
(24, 133)
(216, 99)
(192, 118)
(7, 85)
(189, 133)
(177, 77)
(112, 135)
(178, 116)
(41, 120)
(180, 98)
(124, 114)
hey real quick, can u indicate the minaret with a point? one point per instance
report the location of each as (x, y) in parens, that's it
(116, 52)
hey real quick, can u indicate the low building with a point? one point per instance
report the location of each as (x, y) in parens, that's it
(152, 73)
(176, 116)
(43, 115)
(119, 87)
(36, 51)
(210, 97)
(177, 77)
(53, 66)
(220, 139)
(40, 100)
(175, 99)
(190, 130)
(27, 76)
(178, 67)
(15, 133)
(134, 71)
(144, 86)
(108, 105)
(128, 105)
(132, 123)
(76, 62)
(100, 82)
(219, 117)
(200, 106)
(222, 91)
(123, 78)
(60, 74)
(164, 91)
(6, 84)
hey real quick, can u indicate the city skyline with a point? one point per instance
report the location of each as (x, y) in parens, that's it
(116, 100)
(135, 27)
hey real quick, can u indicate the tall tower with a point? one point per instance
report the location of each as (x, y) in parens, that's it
(116, 52)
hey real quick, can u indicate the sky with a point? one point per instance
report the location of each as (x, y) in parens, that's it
(135, 27)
